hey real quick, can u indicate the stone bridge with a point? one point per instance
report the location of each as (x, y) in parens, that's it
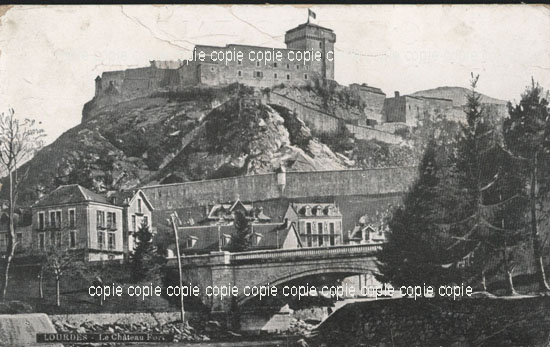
(271, 268)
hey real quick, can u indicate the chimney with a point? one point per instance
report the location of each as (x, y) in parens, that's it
(396, 94)
(287, 223)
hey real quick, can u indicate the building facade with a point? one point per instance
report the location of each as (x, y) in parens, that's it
(76, 218)
(318, 224)
(409, 109)
(137, 211)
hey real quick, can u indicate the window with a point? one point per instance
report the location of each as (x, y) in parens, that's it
(212, 69)
(58, 219)
(53, 238)
(275, 75)
(297, 67)
(308, 233)
(225, 239)
(274, 64)
(240, 73)
(41, 241)
(305, 76)
(52, 219)
(307, 67)
(288, 66)
(100, 219)
(320, 45)
(320, 232)
(111, 220)
(72, 239)
(3, 241)
(288, 76)
(145, 220)
(332, 237)
(111, 240)
(19, 237)
(258, 74)
(72, 218)
(257, 63)
(190, 243)
(133, 223)
(41, 220)
(239, 62)
(100, 239)
(139, 206)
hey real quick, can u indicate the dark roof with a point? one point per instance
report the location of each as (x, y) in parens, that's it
(70, 194)
(273, 236)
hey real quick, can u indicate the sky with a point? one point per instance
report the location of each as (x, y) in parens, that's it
(50, 55)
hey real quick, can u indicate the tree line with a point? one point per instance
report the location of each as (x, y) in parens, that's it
(480, 203)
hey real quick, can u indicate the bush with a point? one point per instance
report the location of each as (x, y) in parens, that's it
(15, 307)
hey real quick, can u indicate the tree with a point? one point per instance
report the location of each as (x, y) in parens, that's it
(242, 240)
(489, 223)
(19, 140)
(527, 136)
(144, 261)
(60, 261)
(415, 251)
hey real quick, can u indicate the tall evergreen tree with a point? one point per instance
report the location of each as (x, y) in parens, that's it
(488, 224)
(144, 261)
(415, 251)
(242, 240)
(527, 136)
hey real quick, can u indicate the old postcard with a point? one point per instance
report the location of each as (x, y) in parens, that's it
(241, 175)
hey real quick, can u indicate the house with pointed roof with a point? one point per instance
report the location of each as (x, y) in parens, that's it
(137, 210)
(76, 218)
(211, 238)
(225, 213)
(318, 224)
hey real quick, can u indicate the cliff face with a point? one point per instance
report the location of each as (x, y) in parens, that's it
(196, 134)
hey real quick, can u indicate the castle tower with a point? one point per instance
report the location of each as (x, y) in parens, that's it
(97, 86)
(309, 36)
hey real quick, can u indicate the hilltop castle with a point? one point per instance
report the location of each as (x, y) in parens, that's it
(305, 38)
(171, 75)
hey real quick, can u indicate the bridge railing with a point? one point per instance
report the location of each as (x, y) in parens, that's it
(318, 252)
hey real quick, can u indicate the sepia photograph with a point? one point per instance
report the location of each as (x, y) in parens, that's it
(275, 175)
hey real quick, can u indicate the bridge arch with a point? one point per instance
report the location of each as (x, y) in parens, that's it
(349, 270)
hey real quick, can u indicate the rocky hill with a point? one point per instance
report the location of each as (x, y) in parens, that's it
(199, 133)
(457, 94)
(204, 133)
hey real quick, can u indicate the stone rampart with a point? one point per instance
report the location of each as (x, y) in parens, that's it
(323, 123)
(374, 182)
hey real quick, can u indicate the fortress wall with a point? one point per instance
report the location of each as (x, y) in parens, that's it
(188, 75)
(323, 123)
(318, 122)
(272, 73)
(364, 133)
(375, 182)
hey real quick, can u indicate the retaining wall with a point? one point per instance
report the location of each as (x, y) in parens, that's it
(375, 182)
(439, 322)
